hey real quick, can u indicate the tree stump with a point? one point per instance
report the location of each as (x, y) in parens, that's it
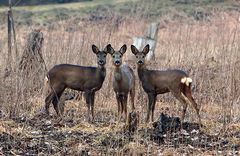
(132, 122)
(32, 66)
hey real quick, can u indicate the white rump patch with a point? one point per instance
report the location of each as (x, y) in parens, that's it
(189, 80)
(45, 87)
(183, 80)
(45, 80)
(186, 80)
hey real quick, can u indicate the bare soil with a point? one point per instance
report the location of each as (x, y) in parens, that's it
(47, 136)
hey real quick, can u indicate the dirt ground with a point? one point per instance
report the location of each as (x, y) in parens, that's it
(75, 136)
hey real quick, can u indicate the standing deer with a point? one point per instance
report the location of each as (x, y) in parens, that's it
(156, 82)
(81, 78)
(123, 81)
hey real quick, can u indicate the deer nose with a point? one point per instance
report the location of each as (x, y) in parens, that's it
(117, 62)
(101, 61)
(140, 62)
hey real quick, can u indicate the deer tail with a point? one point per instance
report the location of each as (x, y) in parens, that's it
(186, 80)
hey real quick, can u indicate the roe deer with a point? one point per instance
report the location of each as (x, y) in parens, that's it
(81, 78)
(123, 81)
(156, 82)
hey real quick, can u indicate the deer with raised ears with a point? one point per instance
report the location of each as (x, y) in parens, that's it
(156, 82)
(81, 78)
(123, 81)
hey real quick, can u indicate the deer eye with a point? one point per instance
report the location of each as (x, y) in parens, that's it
(120, 56)
(143, 56)
(113, 56)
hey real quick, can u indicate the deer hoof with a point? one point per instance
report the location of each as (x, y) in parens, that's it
(43, 113)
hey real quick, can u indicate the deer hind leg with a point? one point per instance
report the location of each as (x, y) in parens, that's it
(48, 100)
(57, 93)
(150, 105)
(56, 101)
(181, 98)
(132, 97)
(62, 106)
(188, 93)
(55, 104)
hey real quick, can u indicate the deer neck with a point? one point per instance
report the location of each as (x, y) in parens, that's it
(141, 71)
(101, 71)
(117, 74)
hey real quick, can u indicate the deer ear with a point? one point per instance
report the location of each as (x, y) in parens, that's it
(146, 49)
(109, 49)
(134, 50)
(95, 49)
(123, 49)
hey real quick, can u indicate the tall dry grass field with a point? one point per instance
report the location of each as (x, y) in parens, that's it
(208, 50)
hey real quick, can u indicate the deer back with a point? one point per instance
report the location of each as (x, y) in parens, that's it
(160, 81)
(77, 77)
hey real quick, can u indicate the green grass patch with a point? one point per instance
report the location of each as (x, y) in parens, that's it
(150, 9)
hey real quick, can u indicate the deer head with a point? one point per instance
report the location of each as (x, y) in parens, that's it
(140, 56)
(101, 55)
(117, 55)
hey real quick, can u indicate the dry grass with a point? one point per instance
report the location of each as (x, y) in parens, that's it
(208, 50)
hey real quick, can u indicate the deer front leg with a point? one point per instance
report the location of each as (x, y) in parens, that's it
(153, 107)
(125, 99)
(150, 104)
(119, 106)
(92, 105)
(122, 106)
(132, 97)
(88, 102)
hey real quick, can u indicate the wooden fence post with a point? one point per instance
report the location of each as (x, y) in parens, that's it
(150, 38)
(8, 68)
